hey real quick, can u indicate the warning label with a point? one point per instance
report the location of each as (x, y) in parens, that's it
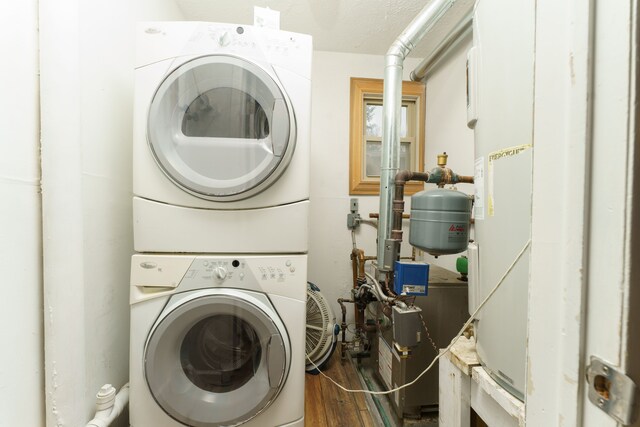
(496, 155)
(478, 181)
(507, 152)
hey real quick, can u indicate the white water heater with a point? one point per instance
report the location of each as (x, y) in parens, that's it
(501, 68)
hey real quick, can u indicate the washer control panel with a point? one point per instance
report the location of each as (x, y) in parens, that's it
(245, 271)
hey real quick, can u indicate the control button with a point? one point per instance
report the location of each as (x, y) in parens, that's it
(235, 263)
(206, 263)
(224, 39)
(241, 276)
(288, 263)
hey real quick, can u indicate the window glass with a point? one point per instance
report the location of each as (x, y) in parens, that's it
(220, 353)
(404, 126)
(225, 112)
(373, 120)
(373, 157)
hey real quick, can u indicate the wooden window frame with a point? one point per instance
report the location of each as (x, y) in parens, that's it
(364, 88)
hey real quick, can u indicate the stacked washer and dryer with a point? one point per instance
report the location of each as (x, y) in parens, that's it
(221, 200)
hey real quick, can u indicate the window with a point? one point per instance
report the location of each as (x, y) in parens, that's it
(366, 134)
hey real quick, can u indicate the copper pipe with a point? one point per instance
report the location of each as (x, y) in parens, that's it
(465, 179)
(375, 215)
(357, 267)
(387, 286)
(343, 325)
(358, 260)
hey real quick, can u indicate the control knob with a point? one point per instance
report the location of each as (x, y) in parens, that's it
(220, 273)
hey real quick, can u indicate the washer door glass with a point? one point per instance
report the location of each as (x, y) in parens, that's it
(221, 128)
(216, 360)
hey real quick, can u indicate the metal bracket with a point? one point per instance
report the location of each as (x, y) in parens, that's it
(612, 391)
(353, 218)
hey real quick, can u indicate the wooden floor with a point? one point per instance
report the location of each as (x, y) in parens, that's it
(326, 405)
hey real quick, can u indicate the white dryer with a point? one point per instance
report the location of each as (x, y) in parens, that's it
(217, 340)
(221, 139)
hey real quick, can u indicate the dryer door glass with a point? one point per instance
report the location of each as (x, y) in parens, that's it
(221, 128)
(216, 359)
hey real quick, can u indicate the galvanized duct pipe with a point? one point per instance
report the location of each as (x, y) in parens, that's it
(392, 99)
(452, 38)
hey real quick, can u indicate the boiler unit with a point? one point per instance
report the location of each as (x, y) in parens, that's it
(444, 312)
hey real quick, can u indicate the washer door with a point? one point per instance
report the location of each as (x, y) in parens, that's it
(221, 128)
(216, 357)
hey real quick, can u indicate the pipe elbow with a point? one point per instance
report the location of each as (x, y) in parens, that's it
(105, 417)
(403, 176)
(398, 51)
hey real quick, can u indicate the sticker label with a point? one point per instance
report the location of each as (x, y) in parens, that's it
(478, 180)
(457, 233)
(385, 359)
(497, 155)
(413, 289)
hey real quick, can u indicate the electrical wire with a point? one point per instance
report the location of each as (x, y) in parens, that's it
(446, 350)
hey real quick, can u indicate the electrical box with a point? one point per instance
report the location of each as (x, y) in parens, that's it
(407, 326)
(411, 278)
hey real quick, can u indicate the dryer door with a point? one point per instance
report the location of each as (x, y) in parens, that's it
(221, 128)
(216, 357)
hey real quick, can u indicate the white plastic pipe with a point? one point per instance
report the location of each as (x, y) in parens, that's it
(109, 405)
(391, 104)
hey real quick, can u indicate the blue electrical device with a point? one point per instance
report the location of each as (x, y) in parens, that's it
(411, 278)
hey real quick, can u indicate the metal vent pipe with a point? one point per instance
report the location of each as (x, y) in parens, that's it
(462, 28)
(392, 99)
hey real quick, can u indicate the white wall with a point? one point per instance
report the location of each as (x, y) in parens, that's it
(87, 55)
(446, 126)
(21, 357)
(86, 89)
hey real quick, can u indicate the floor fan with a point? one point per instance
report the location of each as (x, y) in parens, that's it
(322, 330)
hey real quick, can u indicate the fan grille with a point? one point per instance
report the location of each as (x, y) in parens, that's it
(319, 325)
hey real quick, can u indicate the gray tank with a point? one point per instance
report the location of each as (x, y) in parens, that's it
(440, 221)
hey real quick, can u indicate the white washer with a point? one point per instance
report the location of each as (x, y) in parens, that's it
(217, 340)
(221, 139)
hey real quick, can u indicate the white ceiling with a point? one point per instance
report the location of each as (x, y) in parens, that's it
(354, 26)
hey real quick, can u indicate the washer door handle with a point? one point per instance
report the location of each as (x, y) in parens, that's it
(280, 127)
(275, 360)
